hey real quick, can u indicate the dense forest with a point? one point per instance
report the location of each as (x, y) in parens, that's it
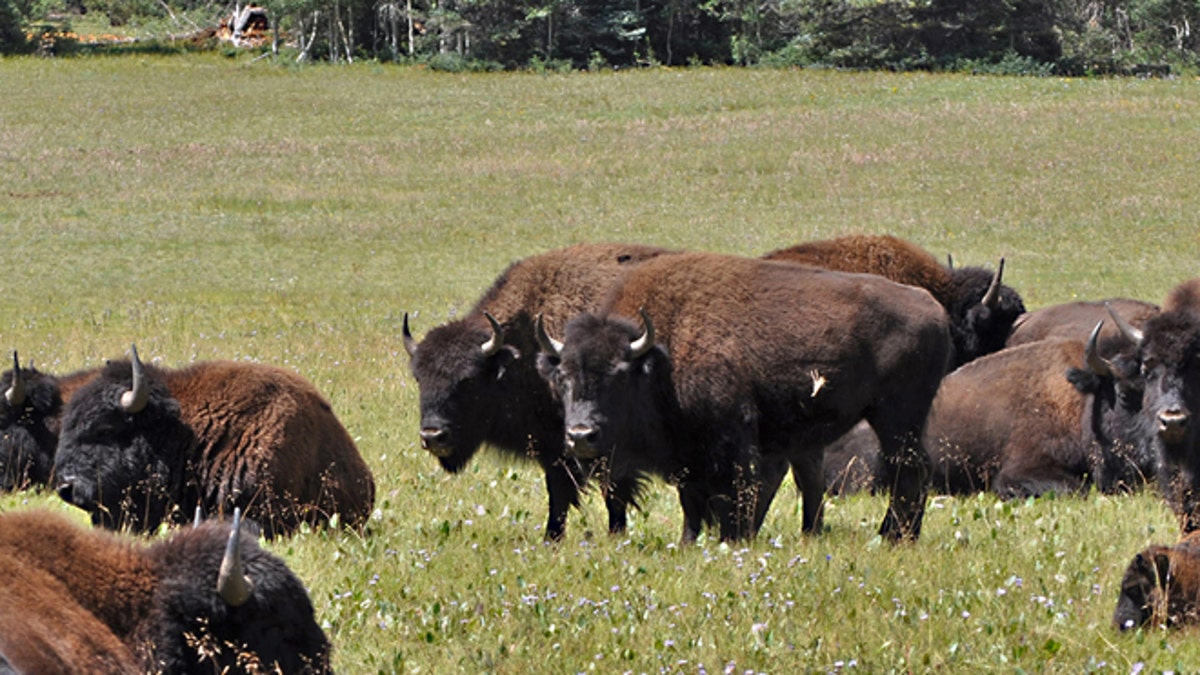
(1063, 37)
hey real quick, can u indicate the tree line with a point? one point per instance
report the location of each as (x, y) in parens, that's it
(1068, 37)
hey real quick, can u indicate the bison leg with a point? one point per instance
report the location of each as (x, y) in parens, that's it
(808, 468)
(772, 471)
(563, 489)
(694, 501)
(905, 469)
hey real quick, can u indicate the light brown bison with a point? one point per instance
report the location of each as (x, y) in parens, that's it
(478, 378)
(739, 362)
(141, 445)
(1075, 320)
(206, 600)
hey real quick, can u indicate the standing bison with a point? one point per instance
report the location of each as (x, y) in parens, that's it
(478, 378)
(742, 362)
(206, 600)
(981, 308)
(142, 445)
(1167, 358)
(30, 418)
(1161, 586)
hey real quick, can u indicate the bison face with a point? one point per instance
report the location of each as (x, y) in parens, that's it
(983, 312)
(603, 375)
(29, 412)
(460, 371)
(125, 468)
(1142, 589)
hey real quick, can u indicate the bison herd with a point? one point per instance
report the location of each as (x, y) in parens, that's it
(859, 363)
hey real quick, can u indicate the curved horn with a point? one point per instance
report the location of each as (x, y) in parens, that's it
(232, 584)
(1095, 362)
(134, 400)
(15, 395)
(993, 292)
(644, 342)
(950, 260)
(199, 517)
(547, 343)
(410, 345)
(495, 342)
(1132, 334)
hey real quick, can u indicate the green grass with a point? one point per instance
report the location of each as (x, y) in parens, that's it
(207, 207)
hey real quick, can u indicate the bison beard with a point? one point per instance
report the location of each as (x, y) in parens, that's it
(215, 435)
(752, 362)
(102, 604)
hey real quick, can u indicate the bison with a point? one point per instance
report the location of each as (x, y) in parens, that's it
(478, 379)
(1075, 320)
(142, 445)
(1161, 586)
(30, 418)
(740, 362)
(1045, 416)
(207, 599)
(1166, 357)
(982, 309)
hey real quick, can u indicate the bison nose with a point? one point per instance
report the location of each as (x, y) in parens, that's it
(1172, 424)
(66, 490)
(582, 440)
(434, 439)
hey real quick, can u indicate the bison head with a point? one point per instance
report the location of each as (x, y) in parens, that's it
(1143, 589)
(604, 373)
(982, 313)
(224, 603)
(121, 448)
(29, 414)
(1113, 423)
(460, 370)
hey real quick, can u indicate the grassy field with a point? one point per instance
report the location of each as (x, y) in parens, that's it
(206, 207)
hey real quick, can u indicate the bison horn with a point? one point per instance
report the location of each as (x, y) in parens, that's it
(495, 342)
(15, 395)
(1095, 362)
(950, 260)
(992, 297)
(645, 341)
(1132, 334)
(198, 518)
(233, 585)
(547, 343)
(134, 400)
(410, 345)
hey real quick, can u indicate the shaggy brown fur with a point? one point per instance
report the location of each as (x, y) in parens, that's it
(216, 435)
(1185, 296)
(104, 604)
(1161, 586)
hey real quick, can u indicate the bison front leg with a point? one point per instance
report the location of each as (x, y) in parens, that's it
(694, 501)
(905, 471)
(563, 488)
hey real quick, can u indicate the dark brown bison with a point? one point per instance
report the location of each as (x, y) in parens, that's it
(740, 362)
(206, 600)
(1075, 320)
(981, 308)
(1045, 416)
(1161, 586)
(478, 378)
(142, 445)
(30, 418)
(1167, 361)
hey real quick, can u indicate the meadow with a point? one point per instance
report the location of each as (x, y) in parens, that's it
(207, 207)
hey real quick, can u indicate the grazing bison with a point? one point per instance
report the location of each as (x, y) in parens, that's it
(1161, 586)
(478, 378)
(1075, 320)
(981, 308)
(30, 417)
(741, 362)
(1167, 356)
(206, 600)
(141, 445)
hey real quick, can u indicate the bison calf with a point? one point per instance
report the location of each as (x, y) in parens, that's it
(206, 600)
(141, 445)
